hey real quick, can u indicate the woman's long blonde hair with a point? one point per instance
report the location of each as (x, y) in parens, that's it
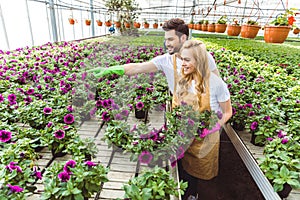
(201, 74)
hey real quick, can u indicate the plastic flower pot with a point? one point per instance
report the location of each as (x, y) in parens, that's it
(276, 34)
(233, 30)
(220, 28)
(211, 28)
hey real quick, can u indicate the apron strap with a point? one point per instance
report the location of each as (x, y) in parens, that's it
(175, 73)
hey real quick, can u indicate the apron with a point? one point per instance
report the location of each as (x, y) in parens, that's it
(201, 159)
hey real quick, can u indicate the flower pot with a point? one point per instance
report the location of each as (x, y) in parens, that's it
(198, 27)
(127, 25)
(249, 31)
(286, 191)
(276, 34)
(220, 28)
(146, 25)
(211, 28)
(136, 25)
(99, 23)
(71, 21)
(140, 114)
(238, 126)
(155, 25)
(191, 26)
(204, 27)
(296, 31)
(108, 23)
(88, 22)
(233, 30)
(253, 137)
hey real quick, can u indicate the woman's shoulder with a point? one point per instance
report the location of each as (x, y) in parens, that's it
(214, 79)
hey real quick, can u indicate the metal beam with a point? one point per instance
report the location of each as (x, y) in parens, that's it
(4, 28)
(92, 17)
(53, 21)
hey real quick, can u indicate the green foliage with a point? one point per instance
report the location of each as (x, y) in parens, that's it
(222, 20)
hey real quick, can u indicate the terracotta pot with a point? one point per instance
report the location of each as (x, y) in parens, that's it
(118, 24)
(211, 28)
(220, 28)
(99, 22)
(108, 23)
(155, 25)
(191, 26)
(233, 30)
(276, 34)
(296, 31)
(249, 31)
(136, 24)
(71, 21)
(146, 25)
(204, 27)
(198, 26)
(127, 25)
(88, 22)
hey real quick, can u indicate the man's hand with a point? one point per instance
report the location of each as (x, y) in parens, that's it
(100, 71)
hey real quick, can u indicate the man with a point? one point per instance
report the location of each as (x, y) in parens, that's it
(176, 33)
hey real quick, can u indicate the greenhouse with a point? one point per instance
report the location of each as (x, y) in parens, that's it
(144, 100)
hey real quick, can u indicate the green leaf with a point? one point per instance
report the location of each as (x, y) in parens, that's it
(78, 197)
(284, 172)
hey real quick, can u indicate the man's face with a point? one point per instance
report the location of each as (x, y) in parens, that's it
(173, 42)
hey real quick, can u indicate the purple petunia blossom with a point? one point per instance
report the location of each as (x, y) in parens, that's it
(1, 98)
(153, 135)
(281, 134)
(12, 166)
(105, 116)
(125, 113)
(279, 99)
(139, 105)
(269, 139)
(118, 116)
(69, 119)
(268, 118)
(180, 133)
(130, 106)
(253, 126)
(204, 133)
(90, 164)
(59, 134)
(69, 164)
(49, 124)
(12, 97)
(47, 110)
(284, 140)
(191, 122)
(30, 91)
(14, 188)
(5, 136)
(145, 157)
(251, 113)
(105, 103)
(219, 114)
(64, 176)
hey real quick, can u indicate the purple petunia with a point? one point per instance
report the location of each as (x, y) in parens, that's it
(139, 105)
(219, 114)
(281, 134)
(5, 136)
(64, 176)
(180, 133)
(145, 157)
(47, 110)
(90, 164)
(253, 126)
(69, 119)
(268, 118)
(125, 113)
(14, 188)
(118, 116)
(105, 103)
(105, 116)
(191, 122)
(1, 98)
(69, 164)
(59, 134)
(12, 97)
(12, 166)
(284, 140)
(30, 91)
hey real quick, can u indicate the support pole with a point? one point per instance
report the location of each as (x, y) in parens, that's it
(29, 22)
(53, 21)
(92, 18)
(4, 28)
(192, 17)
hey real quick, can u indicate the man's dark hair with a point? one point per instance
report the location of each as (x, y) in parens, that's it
(178, 25)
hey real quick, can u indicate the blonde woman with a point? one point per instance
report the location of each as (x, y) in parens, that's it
(197, 86)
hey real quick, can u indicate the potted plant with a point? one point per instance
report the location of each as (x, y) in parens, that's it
(146, 24)
(234, 29)
(127, 24)
(281, 163)
(204, 25)
(211, 27)
(155, 25)
(99, 22)
(221, 25)
(71, 20)
(108, 23)
(88, 22)
(191, 24)
(137, 24)
(279, 29)
(153, 184)
(73, 180)
(296, 31)
(250, 29)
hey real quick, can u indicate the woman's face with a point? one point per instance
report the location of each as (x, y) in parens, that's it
(188, 62)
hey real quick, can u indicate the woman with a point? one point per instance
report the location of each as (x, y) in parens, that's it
(198, 87)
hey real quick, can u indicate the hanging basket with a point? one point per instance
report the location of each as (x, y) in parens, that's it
(249, 31)
(136, 25)
(71, 21)
(155, 25)
(127, 24)
(204, 27)
(220, 28)
(88, 22)
(296, 31)
(197, 27)
(146, 25)
(108, 23)
(233, 30)
(99, 23)
(211, 28)
(276, 34)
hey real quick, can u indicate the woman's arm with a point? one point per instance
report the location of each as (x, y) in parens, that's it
(137, 68)
(226, 110)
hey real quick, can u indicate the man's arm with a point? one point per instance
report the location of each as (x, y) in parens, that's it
(137, 68)
(216, 71)
(226, 110)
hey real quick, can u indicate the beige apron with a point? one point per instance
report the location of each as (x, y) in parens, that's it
(201, 159)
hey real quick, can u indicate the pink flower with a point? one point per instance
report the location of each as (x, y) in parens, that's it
(145, 157)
